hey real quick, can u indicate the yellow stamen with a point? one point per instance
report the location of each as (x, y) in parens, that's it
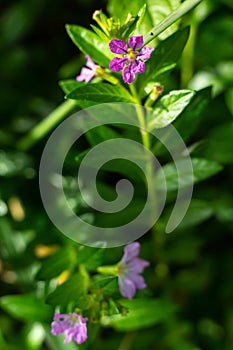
(131, 54)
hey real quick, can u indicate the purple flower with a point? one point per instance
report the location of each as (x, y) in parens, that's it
(129, 270)
(72, 324)
(91, 70)
(132, 61)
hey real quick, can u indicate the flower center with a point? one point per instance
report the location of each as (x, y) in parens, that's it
(131, 55)
(121, 268)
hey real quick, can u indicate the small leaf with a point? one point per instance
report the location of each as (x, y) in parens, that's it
(51, 267)
(69, 85)
(156, 311)
(90, 44)
(202, 169)
(189, 120)
(90, 257)
(69, 291)
(169, 108)
(26, 307)
(101, 93)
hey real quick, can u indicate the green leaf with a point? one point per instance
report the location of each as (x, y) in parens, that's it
(51, 267)
(100, 134)
(90, 44)
(14, 163)
(69, 85)
(219, 145)
(71, 290)
(26, 307)
(156, 311)
(135, 24)
(166, 54)
(189, 120)
(90, 257)
(101, 93)
(202, 169)
(168, 108)
(109, 284)
(198, 212)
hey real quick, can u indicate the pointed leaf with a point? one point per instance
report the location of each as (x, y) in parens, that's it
(90, 44)
(101, 93)
(168, 108)
(26, 307)
(156, 311)
(69, 291)
(202, 169)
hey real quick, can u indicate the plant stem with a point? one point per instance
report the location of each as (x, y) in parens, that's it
(184, 8)
(46, 125)
(141, 118)
(146, 143)
(188, 55)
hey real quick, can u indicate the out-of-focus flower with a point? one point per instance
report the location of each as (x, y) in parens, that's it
(129, 269)
(72, 325)
(133, 61)
(90, 71)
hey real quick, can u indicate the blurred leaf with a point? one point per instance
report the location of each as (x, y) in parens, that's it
(14, 163)
(101, 93)
(202, 169)
(109, 284)
(219, 145)
(189, 120)
(142, 313)
(90, 44)
(198, 212)
(26, 307)
(71, 290)
(54, 265)
(100, 134)
(90, 257)
(168, 108)
(163, 57)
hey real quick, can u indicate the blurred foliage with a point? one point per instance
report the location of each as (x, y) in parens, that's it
(190, 276)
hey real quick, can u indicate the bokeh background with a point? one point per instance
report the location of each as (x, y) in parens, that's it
(195, 264)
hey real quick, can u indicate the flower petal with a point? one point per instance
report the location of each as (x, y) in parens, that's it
(145, 53)
(118, 46)
(138, 66)
(81, 334)
(138, 281)
(69, 336)
(127, 287)
(131, 250)
(137, 265)
(85, 75)
(117, 64)
(90, 64)
(135, 42)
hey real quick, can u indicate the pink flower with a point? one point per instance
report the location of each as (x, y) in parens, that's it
(132, 61)
(72, 324)
(88, 72)
(129, 270)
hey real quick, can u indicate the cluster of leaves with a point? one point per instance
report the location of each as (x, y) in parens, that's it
(191, 268)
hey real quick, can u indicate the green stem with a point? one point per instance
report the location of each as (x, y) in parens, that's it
(188, 55)
(184, 8)
(141, 118)
(146, 144)
(47, 124)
